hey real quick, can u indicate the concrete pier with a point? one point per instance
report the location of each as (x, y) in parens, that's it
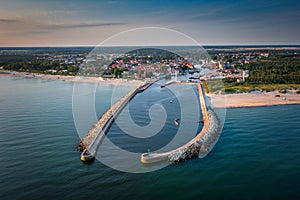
(199, 146)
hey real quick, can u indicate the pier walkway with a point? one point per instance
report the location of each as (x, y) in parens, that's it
(199, 146)
(90, 143)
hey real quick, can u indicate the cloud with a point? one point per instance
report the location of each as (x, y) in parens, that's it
(81, 25)
(25, 34)
(8, 20)
(32, 32)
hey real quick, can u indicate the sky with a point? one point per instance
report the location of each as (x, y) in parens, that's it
(88, 23)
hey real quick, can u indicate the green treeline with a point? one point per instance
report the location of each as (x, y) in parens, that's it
(41, 66)
(279, 70)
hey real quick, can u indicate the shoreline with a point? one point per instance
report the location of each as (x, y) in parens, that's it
(81, 79)
(242, 100)
(238, 100)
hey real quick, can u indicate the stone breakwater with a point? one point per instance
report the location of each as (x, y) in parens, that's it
(199, 146)
(113, 111)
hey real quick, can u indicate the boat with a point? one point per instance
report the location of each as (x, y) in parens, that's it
(176, 121)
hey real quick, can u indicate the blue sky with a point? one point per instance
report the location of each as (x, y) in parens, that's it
(63, 22)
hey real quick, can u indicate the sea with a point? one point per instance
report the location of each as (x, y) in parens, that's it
(256, 157)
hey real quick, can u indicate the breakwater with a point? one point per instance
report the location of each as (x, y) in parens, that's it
(169, 83)
(90, 143)
(199, 146)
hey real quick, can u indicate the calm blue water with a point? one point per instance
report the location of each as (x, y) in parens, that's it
(256, 157)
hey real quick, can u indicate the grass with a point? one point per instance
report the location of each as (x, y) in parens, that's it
(217, 86)
(246, 87)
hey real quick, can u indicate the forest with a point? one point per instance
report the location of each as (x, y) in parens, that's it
(278, 70)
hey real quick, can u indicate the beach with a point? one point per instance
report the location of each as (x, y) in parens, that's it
(84, 79)
(253, 99)
(217, 100)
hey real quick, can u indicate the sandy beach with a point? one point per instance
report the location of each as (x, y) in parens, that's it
(217, 100)
(98, 80)
(251, 100)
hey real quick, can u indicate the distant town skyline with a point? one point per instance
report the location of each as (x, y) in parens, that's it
(79, 23)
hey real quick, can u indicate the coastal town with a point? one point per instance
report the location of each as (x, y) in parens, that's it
(242, 69)
(130, 65)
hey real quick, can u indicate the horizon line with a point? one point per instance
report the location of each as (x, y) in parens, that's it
(187, 45)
